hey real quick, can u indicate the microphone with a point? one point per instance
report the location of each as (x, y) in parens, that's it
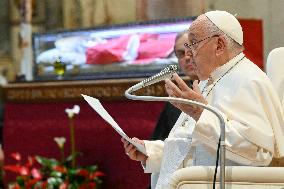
(166, 73)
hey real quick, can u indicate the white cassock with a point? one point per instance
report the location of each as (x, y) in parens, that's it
(254, 125)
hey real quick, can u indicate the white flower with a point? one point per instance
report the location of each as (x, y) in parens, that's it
(60, 141)
(74, 110)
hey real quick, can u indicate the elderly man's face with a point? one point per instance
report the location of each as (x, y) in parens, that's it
(201, 48)
(183, 60)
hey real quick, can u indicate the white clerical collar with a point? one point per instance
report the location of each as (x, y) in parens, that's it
(219, 72)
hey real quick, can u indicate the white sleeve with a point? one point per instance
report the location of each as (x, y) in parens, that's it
(238, 148)
(154, 150)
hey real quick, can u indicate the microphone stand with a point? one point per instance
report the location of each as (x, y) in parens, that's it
(191, 102)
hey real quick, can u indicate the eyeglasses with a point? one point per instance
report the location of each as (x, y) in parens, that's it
(191, 46)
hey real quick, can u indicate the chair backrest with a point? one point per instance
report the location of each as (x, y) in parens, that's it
(275, 70)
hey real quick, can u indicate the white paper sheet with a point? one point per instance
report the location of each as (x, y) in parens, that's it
(97, 106)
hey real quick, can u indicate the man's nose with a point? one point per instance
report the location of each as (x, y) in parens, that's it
(187, 57)
(188, 52)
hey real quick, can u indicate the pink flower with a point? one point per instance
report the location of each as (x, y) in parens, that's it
(24, 171)
(16, 156)
(36, 173)
(63, 185)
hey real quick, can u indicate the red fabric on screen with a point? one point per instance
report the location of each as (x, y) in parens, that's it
(149, 47)
(111, 51)
(159, 47)
(30, 129)
(253, 40)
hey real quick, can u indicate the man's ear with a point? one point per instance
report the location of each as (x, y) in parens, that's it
(221, 45)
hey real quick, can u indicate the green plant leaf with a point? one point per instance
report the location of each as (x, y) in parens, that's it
(92, 168)
(20, 180)
(46, 161)
(71, 157)
(72, 171)
(56, 174)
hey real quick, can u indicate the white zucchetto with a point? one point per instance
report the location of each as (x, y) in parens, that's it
(227, 23)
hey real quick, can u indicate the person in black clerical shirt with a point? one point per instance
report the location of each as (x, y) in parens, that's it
(170, 114)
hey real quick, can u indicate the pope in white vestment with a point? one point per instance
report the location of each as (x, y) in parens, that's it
(232, 84)
(250, 107)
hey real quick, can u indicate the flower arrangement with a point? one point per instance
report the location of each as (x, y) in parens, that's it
(48, 173)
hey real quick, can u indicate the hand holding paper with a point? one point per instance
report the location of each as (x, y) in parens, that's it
(97, 106)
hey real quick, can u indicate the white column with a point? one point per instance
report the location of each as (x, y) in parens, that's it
(26, 40)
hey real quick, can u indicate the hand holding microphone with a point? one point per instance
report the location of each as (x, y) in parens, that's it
(181, 90)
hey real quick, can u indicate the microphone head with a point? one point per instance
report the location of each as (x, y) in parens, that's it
(166, 73)
(172, 68)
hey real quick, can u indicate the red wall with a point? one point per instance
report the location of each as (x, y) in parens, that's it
(30, 129)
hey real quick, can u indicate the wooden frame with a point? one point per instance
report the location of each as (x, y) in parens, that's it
(111, 89)
(72, 90)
